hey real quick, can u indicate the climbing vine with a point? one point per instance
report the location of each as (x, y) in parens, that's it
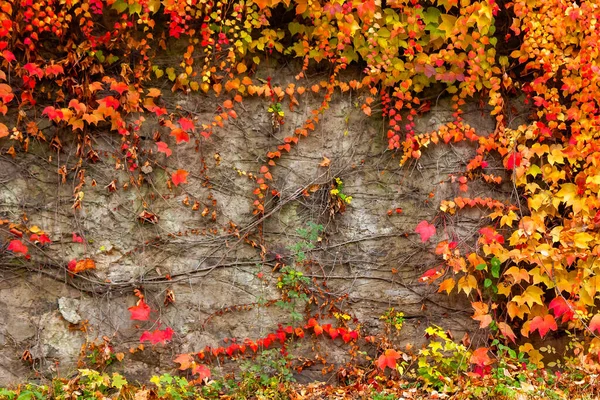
(70, 69)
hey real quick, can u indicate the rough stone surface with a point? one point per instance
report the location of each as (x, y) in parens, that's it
(374, 258)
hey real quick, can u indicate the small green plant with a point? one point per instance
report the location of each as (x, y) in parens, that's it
(382, 396)
(277, 115)
(338, 191)
(173, 387)
(291, 283)
(393, 319)
(267, 377)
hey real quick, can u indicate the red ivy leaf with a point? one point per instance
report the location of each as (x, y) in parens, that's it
(180, 176)
(426, 230)
(43, 239)
(186, 124)
(490, 235)
(559, 306)
(480, 357)
(164, 148)
(543, 325)
(77, 238)
(514, 160)
(202, 371)
(388, 359)
(595, 323)
(16, 246)
(180, 135)
(157, 336)
(141, 311)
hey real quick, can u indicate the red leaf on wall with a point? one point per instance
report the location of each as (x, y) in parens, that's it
(180, 135)
(425, 230)
(140, 312)
(559, 306)
(186, 124)
(595, 323)
(157, 336)
(543, 325)
(164, 148)
(16, 246)
(77, 238)
(180, 176)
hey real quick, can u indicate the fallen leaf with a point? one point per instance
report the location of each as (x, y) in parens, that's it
(388, 359)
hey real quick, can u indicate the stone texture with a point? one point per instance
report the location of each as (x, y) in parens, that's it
(213, 272)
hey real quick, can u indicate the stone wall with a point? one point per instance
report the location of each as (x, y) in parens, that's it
(374, 258)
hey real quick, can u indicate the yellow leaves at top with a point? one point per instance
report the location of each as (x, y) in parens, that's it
(447, 25)
(262, 4)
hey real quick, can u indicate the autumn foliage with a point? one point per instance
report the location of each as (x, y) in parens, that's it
(82, 66)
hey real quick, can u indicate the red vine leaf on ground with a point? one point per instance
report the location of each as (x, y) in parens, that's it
(141, 311)
(202, 370)
(425, 230)
(388, 359)
(186, 361)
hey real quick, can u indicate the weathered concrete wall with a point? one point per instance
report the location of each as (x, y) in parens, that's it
(211, 272)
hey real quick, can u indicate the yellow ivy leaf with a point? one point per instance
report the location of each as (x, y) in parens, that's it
(582, 239)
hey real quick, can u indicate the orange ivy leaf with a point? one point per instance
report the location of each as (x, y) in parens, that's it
(388, 359)
(480, 357)
(543, 325)
(507, 331)
(180, 176)
(76, 267)
(186, 361)
(180, 135)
